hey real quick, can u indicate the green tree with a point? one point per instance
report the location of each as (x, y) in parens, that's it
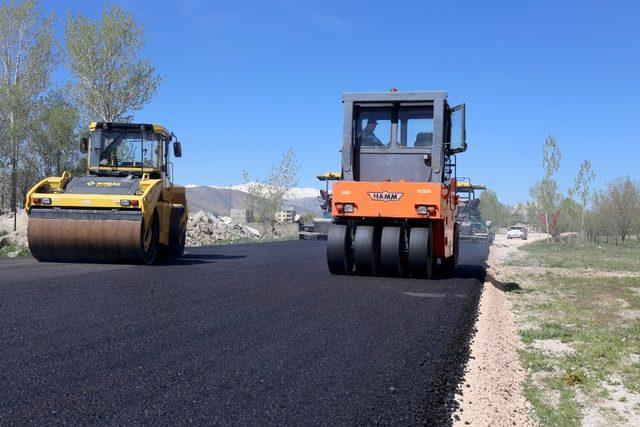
(492, 210)
(27, 59)
(582, 190)
(103, 55)
(545, 193)
(53, 146)
(619, 203)
(266, 196)
(570, 212)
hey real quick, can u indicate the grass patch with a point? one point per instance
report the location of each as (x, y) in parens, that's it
(562, 412)
(6, 250)
(603, 256)
(597, 317)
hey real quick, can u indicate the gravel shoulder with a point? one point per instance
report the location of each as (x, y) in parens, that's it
(491, 392)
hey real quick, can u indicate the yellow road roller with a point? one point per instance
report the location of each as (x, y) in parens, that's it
(126, 209)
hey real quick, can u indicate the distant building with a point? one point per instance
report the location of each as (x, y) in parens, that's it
(285, 215)
(241, 216)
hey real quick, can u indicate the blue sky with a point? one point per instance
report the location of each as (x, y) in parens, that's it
(245, 80)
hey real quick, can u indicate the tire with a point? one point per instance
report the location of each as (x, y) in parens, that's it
(451, 263)
(339, 258)
(391, 252)
(366, 251)
(149, 241)
(421, 259)
(177, 251)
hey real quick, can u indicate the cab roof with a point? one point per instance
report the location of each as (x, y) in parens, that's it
(159, 129)
(394, 96)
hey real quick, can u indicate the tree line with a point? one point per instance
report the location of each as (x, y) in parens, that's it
(41, 121)
(611, 213)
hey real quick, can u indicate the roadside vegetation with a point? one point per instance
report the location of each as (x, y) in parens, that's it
(41, 121)
(9, 249)
(13, 251)
(574, 255)
(578, 311)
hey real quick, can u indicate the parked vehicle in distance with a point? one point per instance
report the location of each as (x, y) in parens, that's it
(517, 232)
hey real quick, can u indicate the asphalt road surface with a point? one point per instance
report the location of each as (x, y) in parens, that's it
(241, 334)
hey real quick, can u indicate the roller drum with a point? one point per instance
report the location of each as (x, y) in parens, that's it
(98, 240)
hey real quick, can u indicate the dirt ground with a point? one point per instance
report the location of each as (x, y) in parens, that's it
(491, 392)
(6, 221)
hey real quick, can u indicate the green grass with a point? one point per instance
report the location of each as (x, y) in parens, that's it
(8, 249)
(598, 317)
(607, 257)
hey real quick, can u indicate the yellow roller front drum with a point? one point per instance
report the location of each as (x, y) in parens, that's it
(75, 236)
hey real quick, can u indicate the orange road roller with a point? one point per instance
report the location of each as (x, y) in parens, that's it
(394, 207)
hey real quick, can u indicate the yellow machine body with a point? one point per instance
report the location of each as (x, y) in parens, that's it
(109, 216)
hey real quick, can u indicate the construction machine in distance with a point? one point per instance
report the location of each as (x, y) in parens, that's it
(319, 230)
(394, 207)
(126, 209)
(472, 227)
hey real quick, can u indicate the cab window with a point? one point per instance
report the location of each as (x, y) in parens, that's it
(373, 128)
(415, 127)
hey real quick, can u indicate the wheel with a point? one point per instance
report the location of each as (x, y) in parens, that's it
(338, 249)
(421, 260)
(149, 240)
(177, 250)
(451, 263)
(391, 252)
(366, 250)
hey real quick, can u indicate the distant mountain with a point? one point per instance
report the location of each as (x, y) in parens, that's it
(215, 200)
(294, 193)
(219, 199)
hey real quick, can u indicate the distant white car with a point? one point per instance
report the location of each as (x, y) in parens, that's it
(517, 232)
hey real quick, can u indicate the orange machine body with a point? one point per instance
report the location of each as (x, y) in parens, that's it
(400, 200)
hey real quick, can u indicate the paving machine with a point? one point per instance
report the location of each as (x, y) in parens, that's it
(126, 209)
(394, 207)
(320, 227)
(472, 227)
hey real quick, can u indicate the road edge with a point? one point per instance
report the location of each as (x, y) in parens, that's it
(491, 391)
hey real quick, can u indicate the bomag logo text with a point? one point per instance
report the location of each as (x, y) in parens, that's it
(103, 184)
(385, 196)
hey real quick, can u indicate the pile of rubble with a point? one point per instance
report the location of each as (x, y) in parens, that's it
(16, 238)
(204, 229)
(8, 237)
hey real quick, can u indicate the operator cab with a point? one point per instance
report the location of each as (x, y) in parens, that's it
(400, 136)
(122, 149)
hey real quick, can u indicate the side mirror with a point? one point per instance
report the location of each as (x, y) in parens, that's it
(177, 149)
(84, 145)
(458, 142)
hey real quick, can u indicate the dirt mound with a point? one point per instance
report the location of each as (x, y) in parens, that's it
(17, 238)
(204, 228)
(6, 222)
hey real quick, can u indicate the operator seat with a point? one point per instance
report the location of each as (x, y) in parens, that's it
(424, 139)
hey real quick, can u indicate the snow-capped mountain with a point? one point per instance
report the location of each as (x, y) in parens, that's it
(219, 199)
(294, 193)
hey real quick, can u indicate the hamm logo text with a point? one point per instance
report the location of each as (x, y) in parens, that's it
(385, 196)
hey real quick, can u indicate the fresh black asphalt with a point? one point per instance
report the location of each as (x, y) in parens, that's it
(240, 334)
